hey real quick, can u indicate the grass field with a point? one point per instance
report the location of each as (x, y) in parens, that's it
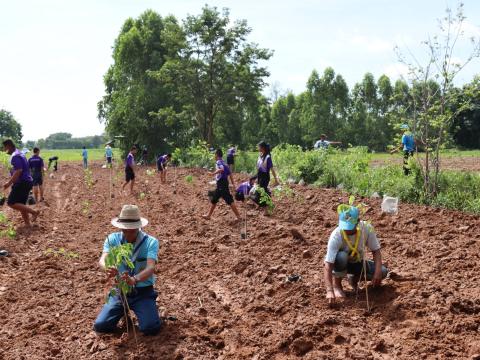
(76, 154)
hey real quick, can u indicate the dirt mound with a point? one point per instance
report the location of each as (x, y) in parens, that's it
(231, 295)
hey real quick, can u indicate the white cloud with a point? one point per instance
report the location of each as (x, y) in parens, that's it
(396, 71)
(372, 44)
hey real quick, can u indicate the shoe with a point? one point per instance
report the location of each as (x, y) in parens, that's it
(3, 253)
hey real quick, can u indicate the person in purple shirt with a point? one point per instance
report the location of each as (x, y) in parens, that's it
(130, 169)
(37, 169)
(264, 166)
(162, 162)
(222, 173)
(243, 190)
(21, 182)
(231, 158)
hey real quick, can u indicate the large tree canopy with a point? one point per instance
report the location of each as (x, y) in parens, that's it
(9, 127)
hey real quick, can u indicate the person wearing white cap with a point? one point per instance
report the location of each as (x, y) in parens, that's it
(346, 251)
(141, 278)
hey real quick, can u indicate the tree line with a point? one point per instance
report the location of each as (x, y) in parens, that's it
(176, 82)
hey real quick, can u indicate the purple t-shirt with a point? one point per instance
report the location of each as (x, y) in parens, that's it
(264, 164)
(220, 164)
(244, 188)
(162, 159)
(130, 160)
(19, 162)
(231, 151)
(36, 164)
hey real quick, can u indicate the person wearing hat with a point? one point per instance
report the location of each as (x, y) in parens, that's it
(141, 299)
(408, 147)
(323, 143)
(346, 254)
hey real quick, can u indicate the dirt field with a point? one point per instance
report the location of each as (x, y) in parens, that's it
(467, 163)
(230, 295)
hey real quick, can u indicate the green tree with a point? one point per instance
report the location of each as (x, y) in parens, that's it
(137, 108)
(217, 74)
(9, 127)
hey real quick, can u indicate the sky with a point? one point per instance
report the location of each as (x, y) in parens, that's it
(54, 53)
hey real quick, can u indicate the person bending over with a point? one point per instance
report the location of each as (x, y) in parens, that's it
(162, 162)
(21, 182)
(244, 189)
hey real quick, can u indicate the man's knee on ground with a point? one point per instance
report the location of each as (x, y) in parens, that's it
(103, 326)
(151, 326)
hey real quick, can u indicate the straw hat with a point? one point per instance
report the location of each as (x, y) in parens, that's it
(129, 218)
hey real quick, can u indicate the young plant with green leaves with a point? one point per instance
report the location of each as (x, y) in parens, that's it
(266, 200)
(88, 177)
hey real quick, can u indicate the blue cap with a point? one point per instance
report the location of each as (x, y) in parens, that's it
(348, 219)
(404, 127)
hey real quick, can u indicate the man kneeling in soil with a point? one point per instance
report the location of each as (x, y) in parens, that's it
(346, 251)
(142, 297)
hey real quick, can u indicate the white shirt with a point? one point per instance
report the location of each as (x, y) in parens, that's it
(321, 144)
(336, 242)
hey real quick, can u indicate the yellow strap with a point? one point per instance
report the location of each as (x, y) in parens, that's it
(353, 249)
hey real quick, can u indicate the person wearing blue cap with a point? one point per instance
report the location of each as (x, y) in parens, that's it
(408, 147)
(346, 254)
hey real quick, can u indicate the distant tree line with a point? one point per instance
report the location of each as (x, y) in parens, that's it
(66, 141)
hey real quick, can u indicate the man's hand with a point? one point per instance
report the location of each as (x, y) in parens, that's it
(377, 278)
(112, 272)
(130, 280)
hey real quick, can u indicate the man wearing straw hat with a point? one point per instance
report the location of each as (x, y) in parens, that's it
(346, 254)
(141, 300)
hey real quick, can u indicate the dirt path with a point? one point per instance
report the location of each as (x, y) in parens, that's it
(230, 295)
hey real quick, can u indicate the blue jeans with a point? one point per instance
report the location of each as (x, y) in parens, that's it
(342, 267)
(85, 163)
(141, 301)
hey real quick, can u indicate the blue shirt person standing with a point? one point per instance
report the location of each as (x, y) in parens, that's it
(408, 146)
(85, 157)
(108, 155)
(21, 182)
(141, 298)
(37, 169)
(323, 143)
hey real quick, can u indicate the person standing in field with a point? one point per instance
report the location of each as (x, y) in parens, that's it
(108, 155)
(222, 173)
(346, 254)
(37, 169)
(130, 169)
(85, 157)
(141, 279)
(231, 157)
(21, 182)
(323, 143)
(265, 166)
(162, 162)
(408, 147)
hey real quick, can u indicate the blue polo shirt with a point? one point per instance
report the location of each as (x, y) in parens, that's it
(408, 142)
(148, 250)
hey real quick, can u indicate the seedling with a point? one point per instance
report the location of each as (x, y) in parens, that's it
(142, 195)
(119, 256)
(10, 231)
(266, 200)
(189, 179)
(85, 207)
(150, 172)
(88, 178)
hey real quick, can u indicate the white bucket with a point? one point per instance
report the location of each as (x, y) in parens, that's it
(390, 205)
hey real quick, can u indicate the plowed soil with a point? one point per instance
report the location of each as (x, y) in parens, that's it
(466, 163)
(230, 295)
